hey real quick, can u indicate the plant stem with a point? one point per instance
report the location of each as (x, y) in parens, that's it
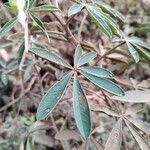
(107, 53)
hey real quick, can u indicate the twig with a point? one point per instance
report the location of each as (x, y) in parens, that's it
(107, 53)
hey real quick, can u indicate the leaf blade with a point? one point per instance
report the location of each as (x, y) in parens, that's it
(141, 142)
(74, 9)
(97, 71)
(105, 84)
(115, 138)
(54, 94)
(81, 109)
(86, 58)
(51, 56)
(8, 26)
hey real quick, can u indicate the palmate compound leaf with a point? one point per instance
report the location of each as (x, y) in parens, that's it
(105, 84)
(143, 126)
(115, 138)
(134, 96)
(141, 142)
(81, 109)
(44, 8)
(8, 26)
(51, 56)
(133, 52)
(52, 97)
(97, 71)
(74, 9)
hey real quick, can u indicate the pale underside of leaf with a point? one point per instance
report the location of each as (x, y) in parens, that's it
(52, 97)
(105, 109)
(142, 143)
(115, 138)
(74, 9)
(134, 96)
(143, 126)
(81, 109)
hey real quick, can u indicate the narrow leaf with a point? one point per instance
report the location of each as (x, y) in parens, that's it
(142, 143)
(74, 9)
(97, 71)
(106, 110)
(98, 20)
(8, 26)
(81, 109)
(134, 96)
(21, 52)
(133, 52)
(39, 24)
(51, 56)
(52, 97)
(115, 138)
(105, 84)
(143, 52)
(86, 58)
(78, 54)
(31, 3)
(44, 8)
(143, 126)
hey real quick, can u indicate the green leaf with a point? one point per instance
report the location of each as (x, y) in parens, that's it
(115, 138)
(105, 84)
(99, 20)
(97, 71)
(81, 109)
(139, 42)
(74, 9)
(52, 97)
(107, 9)
(142, 143)
(8, 26)
(7, 5)
(143, 52)
(44, 8)
(39, 24)
(31, 3)
(78, 54)
(4, 78)
(13, 5)
(86, 58)
(143, 126)
(134, 96)
(21, 52)
(29, 145)
(133, 52)
(51, 56)
(143, 29)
